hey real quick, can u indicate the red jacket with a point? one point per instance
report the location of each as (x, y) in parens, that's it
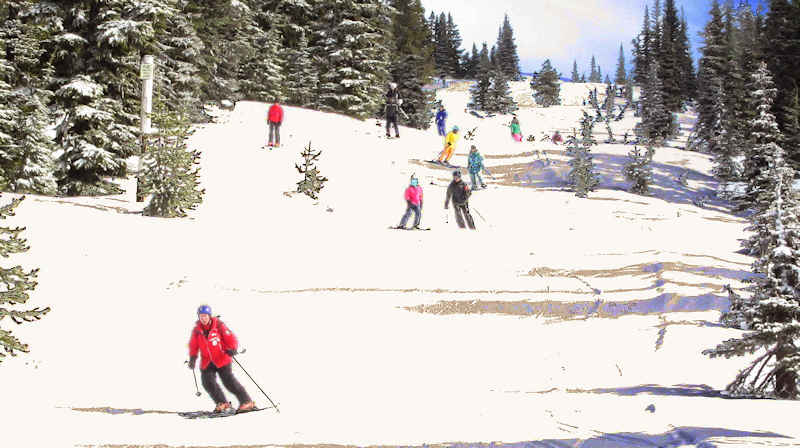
(276, 113)
(212, 341)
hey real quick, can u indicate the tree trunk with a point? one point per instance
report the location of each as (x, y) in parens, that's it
(785, 379)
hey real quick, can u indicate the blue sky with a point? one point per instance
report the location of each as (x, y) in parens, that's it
(564, 30)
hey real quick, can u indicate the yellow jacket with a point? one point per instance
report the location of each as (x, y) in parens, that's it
(451, 139)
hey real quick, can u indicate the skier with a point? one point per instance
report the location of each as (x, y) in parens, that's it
(441, 119)
(449, 146)
(475, 166)
(459, 192)
(275, 119)
(516, 133)
(557, 138)
(216, 344)
(393, 103)
(413, 196)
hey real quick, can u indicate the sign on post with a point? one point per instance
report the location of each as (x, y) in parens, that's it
(148, 68)
(146, 74)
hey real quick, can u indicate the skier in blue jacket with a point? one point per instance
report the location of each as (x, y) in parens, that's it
(441, 119)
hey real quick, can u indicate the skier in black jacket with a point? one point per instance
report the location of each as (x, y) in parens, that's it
(393, 103)
(459, 192)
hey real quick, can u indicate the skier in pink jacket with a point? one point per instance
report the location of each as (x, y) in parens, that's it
(413, 196)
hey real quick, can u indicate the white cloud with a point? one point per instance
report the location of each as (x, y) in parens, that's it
(561, 30)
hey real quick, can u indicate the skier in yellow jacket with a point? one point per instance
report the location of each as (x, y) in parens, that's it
(449, 146)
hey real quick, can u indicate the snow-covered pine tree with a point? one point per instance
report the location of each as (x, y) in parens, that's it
(178, 80)
(726, 168)
(546, 87)
(791, 126)
(638, 170)
(471, 70)
(412, 65)
(300, 75)
(771, 313)
(507, 56)
(17, 285)
(641, 50)
(171, 170)
(261, 76)
(764, 135)
(26, 164)
(656, 120)
(669, 70)
(351, 56)
(622, 74)
(688, 76)
(479, 92)
(453, 46)
(782, 45)
(222, 27)
(711, 66)
(733, 80)
(500, 99)
(582, 177)
(575, 76)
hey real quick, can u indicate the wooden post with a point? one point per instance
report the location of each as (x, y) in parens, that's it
(146, 72)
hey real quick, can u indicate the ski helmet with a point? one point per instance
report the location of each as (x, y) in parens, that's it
(392, 85)
(414, 182)
(455, 128)
(204, 309)
(457, 173)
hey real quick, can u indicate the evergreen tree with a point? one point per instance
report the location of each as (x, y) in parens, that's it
(782, 37)
(471, 69)
(594, 74)
(641, 50)
(312, 182)
(26, 164)
(301, 77)
(638, 170)
(260, 73)
(17, 284)
(582, 176)
(687, 76)
(171, 173)
(599, 74)
(453, 46)
(656, 120)
(575, 76)
(791, 126)
(412, 64)
(508, 59)
(622, 74)
(480, 91)
(668, 63)
(719, 142)
(607, 80)
(546, 87)
(499, 98)
(765, 137)
(350, 55)
(733, 81)
(771, 313)
(711, 66)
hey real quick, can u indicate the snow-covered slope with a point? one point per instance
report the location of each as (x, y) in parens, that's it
(559, 320)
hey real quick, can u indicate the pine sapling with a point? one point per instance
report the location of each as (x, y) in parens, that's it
(312, 182)
(17, 284)
(638, 170)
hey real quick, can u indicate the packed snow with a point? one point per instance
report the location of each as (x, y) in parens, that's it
(560, 321)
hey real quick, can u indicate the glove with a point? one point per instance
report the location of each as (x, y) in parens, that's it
(192, 362)
(231, 352)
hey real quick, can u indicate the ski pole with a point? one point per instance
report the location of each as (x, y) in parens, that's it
(254, 382)
(195, 381)
(481, 216)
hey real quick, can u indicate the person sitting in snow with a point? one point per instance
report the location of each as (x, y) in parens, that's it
(449, 146)
(441, 120)
(557, 138)
(475, 166)
(516, 132)
(216, 344)
(413, 196)
(459, 193)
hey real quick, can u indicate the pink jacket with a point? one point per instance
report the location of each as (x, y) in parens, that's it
(414, 195)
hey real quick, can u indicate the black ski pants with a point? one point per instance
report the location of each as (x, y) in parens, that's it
(274, 132)
(391, 119)
(209, 378)
(462, 214)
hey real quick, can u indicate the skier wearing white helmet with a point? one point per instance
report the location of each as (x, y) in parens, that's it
(393, 103)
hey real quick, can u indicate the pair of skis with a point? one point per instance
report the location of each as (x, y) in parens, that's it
(447, 165)
(211, 414)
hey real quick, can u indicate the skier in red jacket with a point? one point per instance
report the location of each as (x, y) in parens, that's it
(275, 119)
(216, 344)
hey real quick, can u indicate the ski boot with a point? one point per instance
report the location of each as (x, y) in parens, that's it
(246, 407)
(223, 408)
(277, 145)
